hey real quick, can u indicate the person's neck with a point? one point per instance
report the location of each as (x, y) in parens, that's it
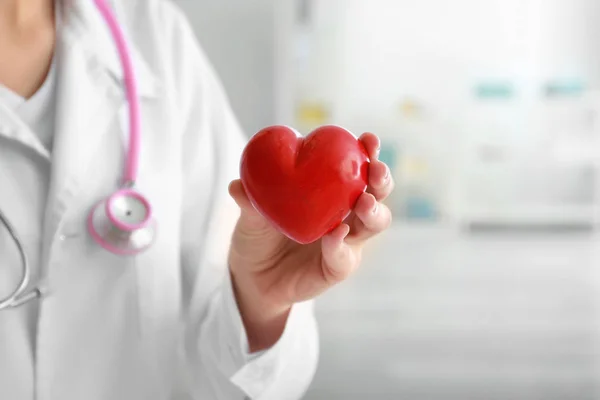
(23, 13)
(27, 39)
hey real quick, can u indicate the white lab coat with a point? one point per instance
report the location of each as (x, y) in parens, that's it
(162, 325)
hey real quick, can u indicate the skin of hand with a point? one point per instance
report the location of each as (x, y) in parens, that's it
(271, 272)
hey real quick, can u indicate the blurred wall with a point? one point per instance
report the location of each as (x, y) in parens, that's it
(238, 36)
(365, 56)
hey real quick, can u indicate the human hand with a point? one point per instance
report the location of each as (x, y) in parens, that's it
(270, 272)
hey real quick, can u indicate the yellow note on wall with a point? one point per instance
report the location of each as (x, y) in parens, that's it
(312, 114)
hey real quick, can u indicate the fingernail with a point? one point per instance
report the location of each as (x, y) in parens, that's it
(374, 210)
(386, 177)
(346, 232)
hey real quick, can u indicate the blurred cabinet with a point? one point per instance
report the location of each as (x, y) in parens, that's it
(531, 163)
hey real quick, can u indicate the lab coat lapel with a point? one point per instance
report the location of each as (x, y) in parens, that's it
(84, 112)
(90, 97)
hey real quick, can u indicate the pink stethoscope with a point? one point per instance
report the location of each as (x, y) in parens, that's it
(122, 223)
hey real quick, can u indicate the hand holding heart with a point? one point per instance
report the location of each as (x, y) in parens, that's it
(312, 190)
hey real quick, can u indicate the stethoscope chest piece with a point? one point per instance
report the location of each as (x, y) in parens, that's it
(123, 224)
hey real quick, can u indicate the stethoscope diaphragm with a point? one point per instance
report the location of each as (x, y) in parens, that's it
(123, 223)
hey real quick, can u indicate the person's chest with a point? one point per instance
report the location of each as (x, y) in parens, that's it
(109, 323)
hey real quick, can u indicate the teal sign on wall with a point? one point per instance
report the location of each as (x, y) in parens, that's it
(389, 155)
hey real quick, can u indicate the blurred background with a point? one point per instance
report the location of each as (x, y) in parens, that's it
(486, 287)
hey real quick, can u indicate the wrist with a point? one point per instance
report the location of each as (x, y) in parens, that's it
(264, 320)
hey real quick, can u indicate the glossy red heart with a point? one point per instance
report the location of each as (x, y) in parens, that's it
(305, 186)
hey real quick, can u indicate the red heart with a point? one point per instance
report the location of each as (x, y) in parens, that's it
(307, 186)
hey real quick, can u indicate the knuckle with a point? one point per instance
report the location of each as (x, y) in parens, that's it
(338, 274)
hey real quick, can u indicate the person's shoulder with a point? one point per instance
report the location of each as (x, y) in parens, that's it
(165, 39)
(164, 36)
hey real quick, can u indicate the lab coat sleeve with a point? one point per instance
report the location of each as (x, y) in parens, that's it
(216, 342)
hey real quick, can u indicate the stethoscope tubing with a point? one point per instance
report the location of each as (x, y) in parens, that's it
(133, 153)
(18, 298)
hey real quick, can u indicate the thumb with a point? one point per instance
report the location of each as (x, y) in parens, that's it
(249, 218)
(237, 192)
